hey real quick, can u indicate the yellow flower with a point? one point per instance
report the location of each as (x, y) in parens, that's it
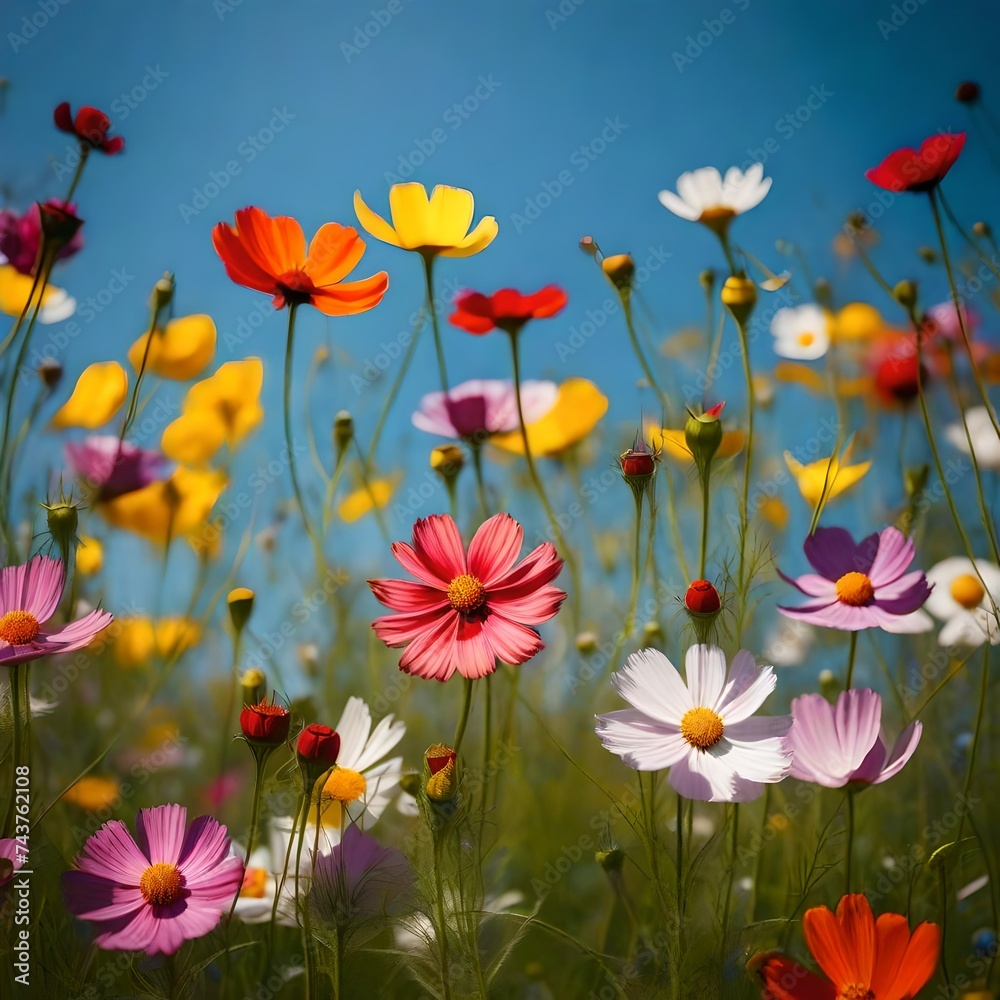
(89, 556)
(93, 793)
(377, 495)
(791, 371)
(774, 511)
(223, 408)
(139, 640)
(431, 226)
(857, 321)
(175, 636)
(578, 407)
(674, 443)
(15, 288)
(179, 351)
(827, 478)
(167, 509)
(99, 393)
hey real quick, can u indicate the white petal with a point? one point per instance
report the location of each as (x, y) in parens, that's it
(741, 704)
(678, 206)
(650, 682)
(766, 760)
(705, 672)
(354, 726)
(642, 743)
(701, 776)
(386, 735)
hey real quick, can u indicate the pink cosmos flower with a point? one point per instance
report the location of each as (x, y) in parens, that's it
(861, 586)
(704, 730)
(471, 610)
(837, 745)
(21, 236)
(29, 596)
(154, 893)
(111, 467)
(481, 407)
(10, 861)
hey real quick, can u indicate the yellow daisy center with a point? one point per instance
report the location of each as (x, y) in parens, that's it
(466, 593)
(19, 628)
(806, 339)
(855, 589)
(254, 882)
(855, 991)
(344, 785)
(702, 727)
(967, 590)
(161, 883)
(717, 213)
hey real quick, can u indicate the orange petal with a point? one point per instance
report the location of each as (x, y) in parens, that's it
(918, 963)
(239, 265)
(276, 244)
(333, 253)
(784, 979)
(892, 935)
(825, 939)
(858, 928)
(347, 298)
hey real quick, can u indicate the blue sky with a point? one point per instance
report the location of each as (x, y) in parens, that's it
(596, 105)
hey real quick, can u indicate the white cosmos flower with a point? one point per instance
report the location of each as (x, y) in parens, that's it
(260, 883)
(416, 931)
(705, 196)
(801, 332)
(984, 437)
(704, 730)
(962, 603)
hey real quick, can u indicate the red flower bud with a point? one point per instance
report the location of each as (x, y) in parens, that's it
(265, 722)
(438, 757)
(637, 463)
(319, 743)
(968, 92)
(702, 598)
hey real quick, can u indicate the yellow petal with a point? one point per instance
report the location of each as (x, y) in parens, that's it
(355, 505)
(15, 289)
(410, 215)
(774, 511)
(449, 214)
(826, 478)
(575, 413)
(232, 394)
(179, 351)
(672, 442)
(732, 444)
(857, 321)
(175, 635)
(790, 371)
(94, 793)
(89, 556)
(193, 438)
(133, 646)
(479, 239)
(374, 223)
(100, 391)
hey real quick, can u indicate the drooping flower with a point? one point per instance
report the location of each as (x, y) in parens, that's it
(863, 585)
(578, 408)
(960, 600)
(29, 597)
(180, 350)
(837, 745)
(801, 332)
(435, 226)
(15, 290)
(110, 467)
(480, 408)
(97, 397)
(863, 958)
(704, 196)
(506, 309)
(21, 236)
(153, 893)
(828, 477)
(90, 126)
(470, 609)
(985, 441)
(703, 729)
(918, 170)
(268, 254)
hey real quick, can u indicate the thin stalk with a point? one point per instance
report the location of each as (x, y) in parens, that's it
(852, 651)
(442, 930)
(984, 688)
(463, 719)
(432, 308)
(734, 836)
(625, 296)
(633, 599)
(260, 762)
(477, 464)
(751, 406)
(85, 148)
(705, 498)
(849, 852)
(14, 679)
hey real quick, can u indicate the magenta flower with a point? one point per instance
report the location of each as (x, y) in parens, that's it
(10, 861)
(861, 586)
(21, 236)
(837, 745)
(29, 596)
(468, 611)
(111, 467)
(154, 893)
(481, 407)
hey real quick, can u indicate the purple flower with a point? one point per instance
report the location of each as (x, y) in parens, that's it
(112, 468)
(11, 861)
(836, 745)
(21, 235)
(861, 586)
(481, 407)
(29, 596)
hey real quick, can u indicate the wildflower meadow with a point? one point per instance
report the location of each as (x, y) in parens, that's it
(499, 500)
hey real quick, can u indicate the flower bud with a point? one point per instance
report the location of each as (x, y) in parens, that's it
(59, 226)
(707, 279)
(981, 229)
(254, 685)
(163, 293)
(703, 435)
(589, 246)
(318, 744)
(927, 254)
(620, 269)
(829, 687)
(343, 431)
(637, 462)
(652, 632)
(240, 603)
(968, 92)
(586, 642)
(63, 519)
(702, 598)
(915, 479)
(611, 861)
(442, 768)
(447, 461)
(739, 296)
(410, 783)
(265, 723)
(905, 293)
(50, 372)
(823, 293)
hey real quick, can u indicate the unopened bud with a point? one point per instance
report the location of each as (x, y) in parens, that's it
(63, 519)
(652, 632)
(905, 293)
(589, 246)
(253, 684)
(442, 773)
(703, 435)
(823, 293)
(707, 279)
(343, 431)
(968, 92)
(611, 861)
(447, 461)
(586, 642)
(50, 372)
(927, 254)
(828, 684)
(982, 229)
(410, 783)
(59, 226)
(915, 479)
(620, 269)
(240, 603)
(163, 293)
(739, 296)
(702, 598)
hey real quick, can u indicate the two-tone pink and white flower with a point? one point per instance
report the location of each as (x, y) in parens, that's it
(481, 407)
(704, 729)
(111, 467)
(837, 745)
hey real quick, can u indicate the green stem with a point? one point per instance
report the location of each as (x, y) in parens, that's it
(134, 401)
(625, 296)
(85, 148)
(442, 929)
(463, 719)
(852, 650)
(984, 688)
(633, 600)
(432, 308)
(477, 464)
(849, 855)
(260, 762)
(17, 718)
(751, 405)
(734, 835)
(705, 498)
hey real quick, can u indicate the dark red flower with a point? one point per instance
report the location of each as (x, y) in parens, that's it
(968, 92)
(265, 722)
(21, 235)
(91, 126)
(505, 310)
(898, 377)
(319, 743)
(637, 463)
(438, 757)
(702, 598)
(918, 170)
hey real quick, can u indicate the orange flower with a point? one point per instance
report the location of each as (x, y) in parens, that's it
(269, 255)
(864, 958)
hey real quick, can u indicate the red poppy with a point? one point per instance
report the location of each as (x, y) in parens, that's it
(505, 310)
(265, 722)
(91, 126)
(918, 170)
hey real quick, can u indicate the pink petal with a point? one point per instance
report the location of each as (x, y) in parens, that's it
(398, 630)
(206, 846)
(93, 897)
(902, 751)
(76, 635)
(159, 832)
(495, 548)
(112, 853)
(402, 595)
(542, 565)
(432, 654)
(832, 552)
(813, 585)
(842, 616)
(895, 553)
(532, 609)
(35, 587)
(439, 546)
(415, 564)
(814, 735)
(857, 717)
(511, 642)
(473, 651)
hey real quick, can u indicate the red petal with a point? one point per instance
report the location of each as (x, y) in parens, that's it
(113, 145)
(92, 125)
(63, 118)
(547, 302)
(494, 548)
(402, 595)
(784, 979)
(512, 643)
(433, 655)
(439, 546)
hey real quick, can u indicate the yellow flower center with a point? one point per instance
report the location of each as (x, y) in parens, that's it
(855, 991)
(161, 883)
(967, 590)
(806, 339)
(18, 628)
(717, 213)
(702, 727)
(466, 593)
(855, 589)
(254, 882)
(344, 785)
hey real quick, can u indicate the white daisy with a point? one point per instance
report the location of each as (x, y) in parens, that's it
(960, 600)
(703, 730)
(984, 437)
(260, 883)
(704, 196)
(801, 332)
